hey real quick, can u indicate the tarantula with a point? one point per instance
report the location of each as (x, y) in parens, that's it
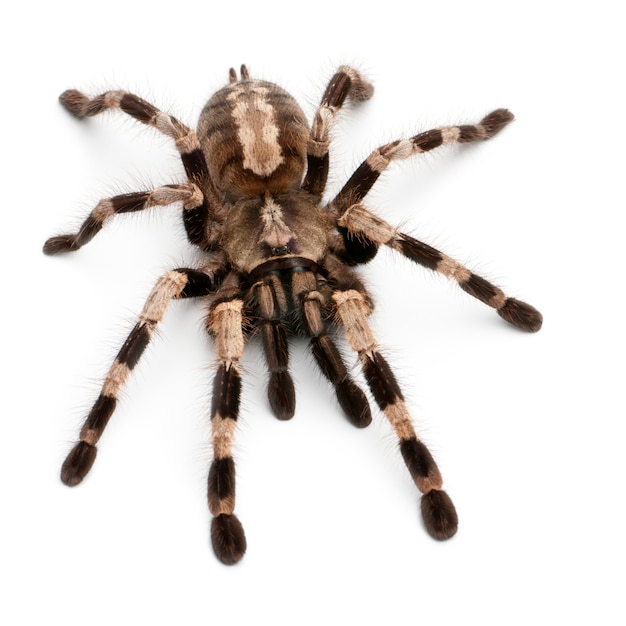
(276, 257)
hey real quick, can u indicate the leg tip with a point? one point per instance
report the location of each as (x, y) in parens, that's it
(282, 395)
(74, 102)
(78, 463)
(439, 515)
(59, 244)
(228, 538)
(361, 90)
(496, 121)
(354, 404)
(521, 315)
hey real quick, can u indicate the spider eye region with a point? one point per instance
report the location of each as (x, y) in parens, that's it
(280, 250)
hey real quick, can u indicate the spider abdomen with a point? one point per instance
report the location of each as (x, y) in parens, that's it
(254, 137)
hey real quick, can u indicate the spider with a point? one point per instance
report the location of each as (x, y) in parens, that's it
(277, 259)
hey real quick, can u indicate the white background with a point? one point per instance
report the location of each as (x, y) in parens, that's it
(527, 429)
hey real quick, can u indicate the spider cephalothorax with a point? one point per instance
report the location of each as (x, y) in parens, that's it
(274, 252)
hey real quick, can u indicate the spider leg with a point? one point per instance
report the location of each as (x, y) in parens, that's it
(225, 324)
(346, 83)
(438, 512)
(188, 194)
(362, 223)
(377, 162)
(359, 184)
(196, 219)
(311, 301)
(176, 284)
(271, 303)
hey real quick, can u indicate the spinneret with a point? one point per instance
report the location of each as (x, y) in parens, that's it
(278, 260)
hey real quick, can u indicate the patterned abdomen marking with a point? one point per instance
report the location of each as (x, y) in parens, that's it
(254, 136)
(257, 130)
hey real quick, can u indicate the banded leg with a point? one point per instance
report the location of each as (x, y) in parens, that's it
(225, 324)
(438, 512)
(189, 195)
(361, 222)
(311, 301)
(377, 162)
(361, 250)
(271, 301)
(177, 284)
(195, 218)
(346, 83)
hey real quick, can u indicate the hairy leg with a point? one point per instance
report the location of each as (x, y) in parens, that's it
(346, 84)
(188, 194)
(361, 250)
(438, 511)
(271, 303)
(362, 223)
(225, 324)
(378, 161)
(177, 284)
(311, 302)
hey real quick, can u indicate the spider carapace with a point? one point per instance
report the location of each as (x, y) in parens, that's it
(278, 257)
